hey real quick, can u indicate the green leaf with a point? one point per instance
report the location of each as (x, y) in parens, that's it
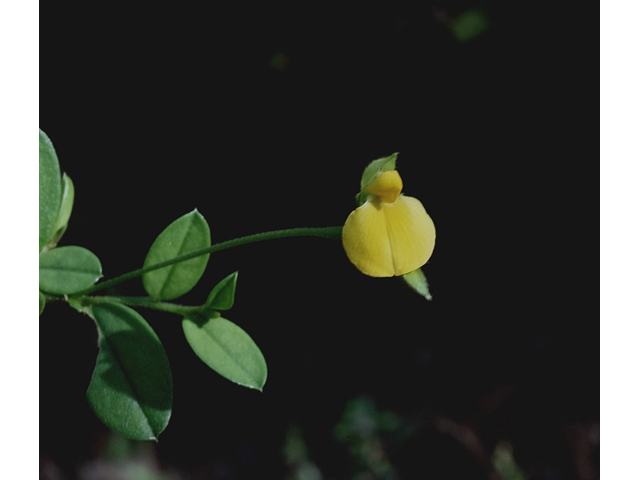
(418, 282)
(49, 189)
(223, 294)
(373, 171)
(188, 233)
(227, 349)
(66, 270)
(43, 301)
(131, 388)
(66, 206)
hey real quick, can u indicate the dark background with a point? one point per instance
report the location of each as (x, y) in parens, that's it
(264, 118)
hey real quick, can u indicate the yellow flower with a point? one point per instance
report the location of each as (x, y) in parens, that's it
(390, 234)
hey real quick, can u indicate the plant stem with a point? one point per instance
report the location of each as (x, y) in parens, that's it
(146, 302)
(323, 232)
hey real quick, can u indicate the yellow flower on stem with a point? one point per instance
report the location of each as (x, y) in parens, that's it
(389, 234)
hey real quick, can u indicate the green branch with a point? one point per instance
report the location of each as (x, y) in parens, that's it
(323, 232)
(146, 302)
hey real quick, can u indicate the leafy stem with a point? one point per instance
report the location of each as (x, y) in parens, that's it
(323, 232)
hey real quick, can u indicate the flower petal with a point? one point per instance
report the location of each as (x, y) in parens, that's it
(366, 240)
(412, 234)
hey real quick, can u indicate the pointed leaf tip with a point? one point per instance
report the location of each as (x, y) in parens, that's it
(418, 282)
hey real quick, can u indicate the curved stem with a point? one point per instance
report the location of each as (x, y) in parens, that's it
(323, 232)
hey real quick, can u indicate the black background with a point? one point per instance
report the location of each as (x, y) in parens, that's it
(263, 118)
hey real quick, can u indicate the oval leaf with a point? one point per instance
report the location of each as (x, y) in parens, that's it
(66, 270)
(49, 189)
(188, 233)
(223, 294)
(227, 349)
(131, 388)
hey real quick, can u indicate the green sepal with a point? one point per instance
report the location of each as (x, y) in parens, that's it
(373, 171)
(50, 189)
(226, 349)
(64, 213)
(69, 269)
(185, 235)
(223, 294)
(131, 388)
(418, 282)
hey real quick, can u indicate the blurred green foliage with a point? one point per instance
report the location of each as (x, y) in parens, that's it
(469, 24)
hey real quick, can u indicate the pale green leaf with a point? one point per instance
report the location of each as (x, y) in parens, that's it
(66, 270)
(227, 349)
(49, 189)
(66, 206)
(185, 235)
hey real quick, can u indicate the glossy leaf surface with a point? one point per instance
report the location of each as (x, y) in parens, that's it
(50, 189)
(188, 233)
(227, 349)
(66, 270)
(131, 388)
